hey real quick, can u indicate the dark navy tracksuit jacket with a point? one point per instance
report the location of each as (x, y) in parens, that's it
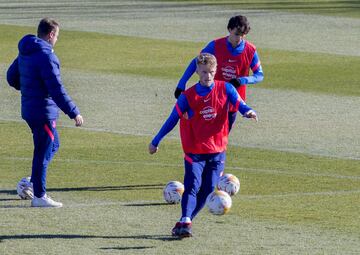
(36, 73)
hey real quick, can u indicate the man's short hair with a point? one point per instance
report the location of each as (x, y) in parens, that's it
(46, 25)
(206, 59)
(240, 23)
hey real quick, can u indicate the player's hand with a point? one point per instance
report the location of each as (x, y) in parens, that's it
(178, 92)
(78, 120)
(235, 82)
(251, 115)
(153, 149)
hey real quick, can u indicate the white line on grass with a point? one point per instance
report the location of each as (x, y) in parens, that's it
(94, 129)
(246, 197)
(268, 171)
(301, 194)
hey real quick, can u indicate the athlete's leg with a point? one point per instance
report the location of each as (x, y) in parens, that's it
(44, 136)
(213, 170)
(192, 183)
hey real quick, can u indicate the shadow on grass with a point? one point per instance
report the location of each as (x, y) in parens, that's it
(110, 188)
(63, 236)
(128, 248)
(146, 204)
(8, 192)
(129, 204)
(99, 188)
(14, 206)
(10, 199)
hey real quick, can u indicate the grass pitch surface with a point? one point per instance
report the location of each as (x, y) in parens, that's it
(112, 194)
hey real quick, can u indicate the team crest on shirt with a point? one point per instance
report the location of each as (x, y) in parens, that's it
(228, 72)
(208, 113)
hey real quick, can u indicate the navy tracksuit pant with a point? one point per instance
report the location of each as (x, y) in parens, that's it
(202, 172)
(46, 144)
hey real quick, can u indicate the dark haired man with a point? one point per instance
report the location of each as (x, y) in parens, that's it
(36, 73)
(235, 57)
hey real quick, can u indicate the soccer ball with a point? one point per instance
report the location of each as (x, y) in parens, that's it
(218, 202)
(24, 188)
(229, 183)
(173, 192)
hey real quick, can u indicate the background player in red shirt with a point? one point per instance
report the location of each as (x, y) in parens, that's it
(203, 113)
(235, 57)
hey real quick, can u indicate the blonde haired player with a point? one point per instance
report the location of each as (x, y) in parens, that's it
(203, 113)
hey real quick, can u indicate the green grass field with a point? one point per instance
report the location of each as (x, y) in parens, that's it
(299, 170)
(166, 59)
(323, 7)
(112, 192)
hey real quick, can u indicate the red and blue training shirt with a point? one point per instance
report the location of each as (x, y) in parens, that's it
(203, 114)
(244, 54)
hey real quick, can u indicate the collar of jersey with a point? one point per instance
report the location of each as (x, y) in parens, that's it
(238, 49)
(202, 90)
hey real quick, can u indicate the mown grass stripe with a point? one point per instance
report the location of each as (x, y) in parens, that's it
(167, 59)
(121, 162)
(70, 204)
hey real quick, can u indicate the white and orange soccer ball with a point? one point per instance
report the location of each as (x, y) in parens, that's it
(24, 188)
(229, 183)
(219, 202)
(173, 192)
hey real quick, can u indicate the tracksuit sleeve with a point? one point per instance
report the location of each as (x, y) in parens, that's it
(13, 75)
(179, 108)
(190, 70)
(236, 100)
(256, 68)
(51, 75)
(210, 48)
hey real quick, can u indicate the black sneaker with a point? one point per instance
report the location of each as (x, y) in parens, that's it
(176, 230)
(186, 230)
